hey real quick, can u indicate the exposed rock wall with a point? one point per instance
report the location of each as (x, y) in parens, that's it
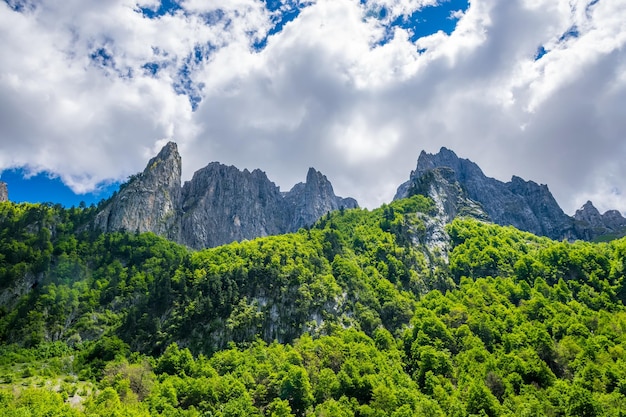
(611, 222)
(307, 202)
(524, 204)
(220, 204)
(150, 202)
(4, 192)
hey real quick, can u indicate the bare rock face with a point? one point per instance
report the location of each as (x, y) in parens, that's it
(450, 198)
(610, 223)
(546, 217)
(614, 221)
(219, 205)
(589, 213)
(307, 202)
(150, 201)
(4, 192)
(222, 204)
(525, 205)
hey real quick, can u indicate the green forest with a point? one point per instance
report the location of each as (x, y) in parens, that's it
(358, 315)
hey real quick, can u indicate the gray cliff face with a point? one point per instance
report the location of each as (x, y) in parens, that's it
(451, 200)
(525, 205)
(614, 221)
(150, 201)
(611, 222)
(588, 213)
(307, 202)
(219, 205)
(222, 204)
(4, 192)
(546, 216)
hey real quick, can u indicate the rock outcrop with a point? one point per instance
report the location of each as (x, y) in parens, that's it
(220, 204)
(150, 201)
(308, 201)
(4, 192)
(610, 223)
(525, 205)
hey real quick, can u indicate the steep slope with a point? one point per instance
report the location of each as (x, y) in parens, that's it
(4, 192)
(342, 319)
(352, 317)
(150, 202)
(309, 201)
(525, 205)
(220, 204)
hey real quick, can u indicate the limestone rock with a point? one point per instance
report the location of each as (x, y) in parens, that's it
(523, 204)
(4, 192)
(610, 223)
(614, 221)
(590, 214)
(451, 200)
(220, 204)
(309, 201)
(150, 201)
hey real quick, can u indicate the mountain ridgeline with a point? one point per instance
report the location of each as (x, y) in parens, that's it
(459, 187)
(220, 204)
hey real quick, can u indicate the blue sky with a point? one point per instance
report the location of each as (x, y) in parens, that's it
(354, 88)
(42, 188)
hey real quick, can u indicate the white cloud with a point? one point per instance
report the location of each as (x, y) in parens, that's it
(324, 92)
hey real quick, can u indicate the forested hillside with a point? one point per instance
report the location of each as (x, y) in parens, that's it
(357, 316)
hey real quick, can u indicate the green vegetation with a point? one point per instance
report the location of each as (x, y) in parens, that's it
(353, 317)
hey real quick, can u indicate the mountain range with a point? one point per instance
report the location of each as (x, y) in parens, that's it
(459, 187)
(222, 204)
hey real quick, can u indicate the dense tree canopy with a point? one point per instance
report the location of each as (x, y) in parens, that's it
(356, 316)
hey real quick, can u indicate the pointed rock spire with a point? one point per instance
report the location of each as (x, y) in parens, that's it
(148, 202)
(311, 200)
(589, 214)
(4, 192)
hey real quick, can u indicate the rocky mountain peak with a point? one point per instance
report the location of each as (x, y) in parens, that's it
(220, 204)
(166, 167)
(614, 220)
(149, 201)
(611, 222)
(463, 168)
(311, 200)
(523, 204)
(589, 213)
(453, 182)
(4, 192)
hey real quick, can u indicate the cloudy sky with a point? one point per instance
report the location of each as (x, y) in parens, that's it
(91, 89)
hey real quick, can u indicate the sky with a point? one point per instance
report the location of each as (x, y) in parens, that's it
(90, 90)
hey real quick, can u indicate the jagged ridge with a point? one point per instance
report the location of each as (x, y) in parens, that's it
(220, 204)
(525, 205)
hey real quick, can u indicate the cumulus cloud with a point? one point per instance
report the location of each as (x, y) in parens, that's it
(89, 90)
